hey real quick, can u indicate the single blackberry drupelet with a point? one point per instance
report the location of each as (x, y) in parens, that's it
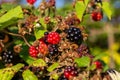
(53, 49)
(74, 35)
(7, 57)
(70, 71)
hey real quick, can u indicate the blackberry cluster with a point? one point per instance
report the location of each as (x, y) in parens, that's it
(53, 49)
(7, 57)
(74, 35)
(70, 71)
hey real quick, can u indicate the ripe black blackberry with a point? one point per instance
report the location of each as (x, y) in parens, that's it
(7, 57)
(45, 37)
(98, 1)
(62, 77)
(74, 35)
(53, 49)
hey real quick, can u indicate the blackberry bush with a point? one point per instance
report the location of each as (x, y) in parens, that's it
(50, 46)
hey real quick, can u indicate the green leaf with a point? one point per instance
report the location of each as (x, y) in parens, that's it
(105, 68)
(99, 56)
(7, 6)
(36, 12)
(28, 75)
(39, 63)
(107, 9)
(39, 32)
(86, 2)
(11, 17)
(80, 8)
(43, 23)
(17, 67)
(52, 67)
(92, 67)
(83, 61)
(55, 76)
(8, 73)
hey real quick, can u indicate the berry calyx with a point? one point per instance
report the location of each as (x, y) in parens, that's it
(74, 35)
(53, 38)
(83, 50)
(43, 48)
(98, 64)
(97, 16)
(70, 71)
(33, 51)
(31, 1)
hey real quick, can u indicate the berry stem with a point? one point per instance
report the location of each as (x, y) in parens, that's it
(13, 34)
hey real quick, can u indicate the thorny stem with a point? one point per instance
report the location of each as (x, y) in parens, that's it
(13, 34)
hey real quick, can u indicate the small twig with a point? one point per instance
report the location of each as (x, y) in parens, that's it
(13, 34)
(25, 40)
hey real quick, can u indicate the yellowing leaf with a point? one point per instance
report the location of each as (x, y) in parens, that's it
(39, 63)
(86, 2)
(80, 9)
(53, 66)
(28, 75)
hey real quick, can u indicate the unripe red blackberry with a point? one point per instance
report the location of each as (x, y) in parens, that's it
(43, 48)
(31, 1)
(33, 51)
(74, 35)
(98, 64)
(70, 71)
(53, 38)
(7, 57)
(97, 16)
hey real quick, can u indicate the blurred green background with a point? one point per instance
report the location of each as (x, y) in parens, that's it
(104, 36)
